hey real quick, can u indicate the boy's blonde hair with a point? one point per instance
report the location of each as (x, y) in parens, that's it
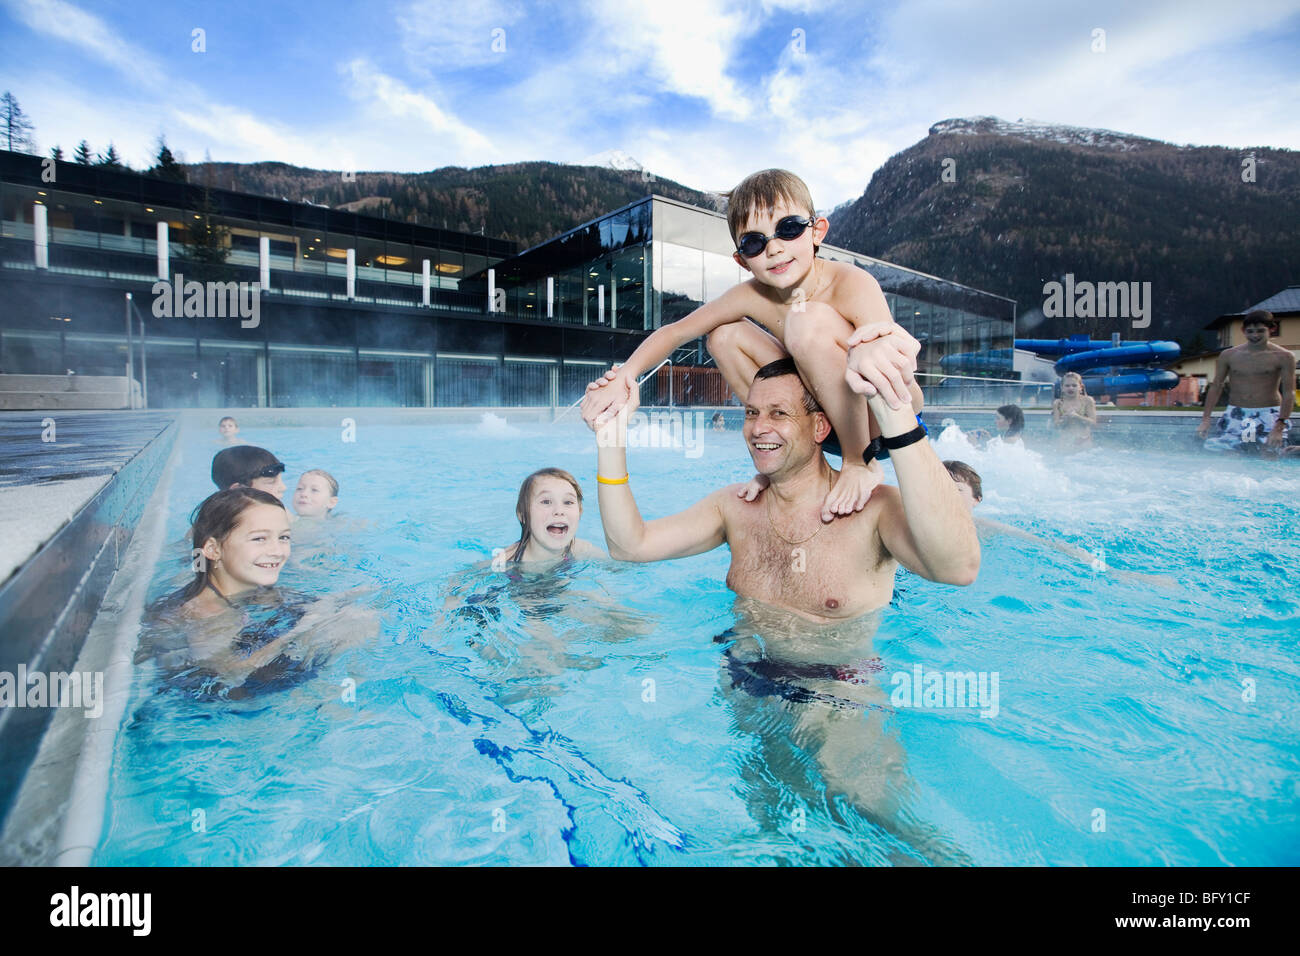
(334, 485)
(762, 191)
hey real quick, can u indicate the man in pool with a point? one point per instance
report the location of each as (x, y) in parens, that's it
(1261, 377)
(801, 650)
(782, 553)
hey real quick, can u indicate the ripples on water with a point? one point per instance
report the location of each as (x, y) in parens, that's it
(590, 716)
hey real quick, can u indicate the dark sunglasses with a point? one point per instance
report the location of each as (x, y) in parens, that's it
(752, 244)
(270, 471)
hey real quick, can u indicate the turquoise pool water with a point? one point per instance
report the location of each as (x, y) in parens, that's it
(591, 717)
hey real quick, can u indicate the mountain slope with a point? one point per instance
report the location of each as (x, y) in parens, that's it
(1032, 202)
(527, 202)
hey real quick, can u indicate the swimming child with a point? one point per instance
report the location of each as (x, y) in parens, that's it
(972, 493)
(248, 466)
(1010, 422)
(229, 430)
(231, 631)
(830, 316)
(317, 494)
(548, 509)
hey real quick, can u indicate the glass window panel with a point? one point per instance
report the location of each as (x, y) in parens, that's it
(31, 353)
(322, 378)
(228, 376)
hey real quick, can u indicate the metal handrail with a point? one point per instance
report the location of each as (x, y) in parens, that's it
(639, 383)
(980, 378)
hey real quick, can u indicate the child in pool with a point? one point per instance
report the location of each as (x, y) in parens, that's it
(231, 630)
(317, 494)
(228, 429)
(249, 466)
(1010, 423)
(972, 492)
(548, 509)
(1074, 414)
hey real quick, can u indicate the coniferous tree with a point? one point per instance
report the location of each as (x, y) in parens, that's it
(15, 127)
(110, 158)
(57, 154)
(208, 247)
(82, 154)
(165, 166)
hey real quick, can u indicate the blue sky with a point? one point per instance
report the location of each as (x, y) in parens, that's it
(701, 91)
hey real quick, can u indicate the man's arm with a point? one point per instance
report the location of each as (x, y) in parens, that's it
(1287, 389)
(926, 527)
(698, 529)
(1212, 394)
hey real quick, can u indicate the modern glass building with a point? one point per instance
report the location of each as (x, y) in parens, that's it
(357, 309)
(655, 260)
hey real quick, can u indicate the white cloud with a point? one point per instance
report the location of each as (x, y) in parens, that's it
(71, 24)
(401, 102)
(685, 46)
(439, 35)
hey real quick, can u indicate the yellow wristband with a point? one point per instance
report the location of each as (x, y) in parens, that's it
(613, 481)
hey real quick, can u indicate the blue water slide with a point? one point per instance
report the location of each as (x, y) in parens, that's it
(1125, 381)
(1109, 367)
(1130, 353)
(990, 360)
(1075, 343)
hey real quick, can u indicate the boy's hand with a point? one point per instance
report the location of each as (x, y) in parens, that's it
(608, 395)
(882, 360)
(754, 487)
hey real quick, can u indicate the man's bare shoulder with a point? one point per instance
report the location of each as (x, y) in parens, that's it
(728, 500)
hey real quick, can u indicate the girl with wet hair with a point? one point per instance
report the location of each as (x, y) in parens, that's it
(232, 631)
(548, 508)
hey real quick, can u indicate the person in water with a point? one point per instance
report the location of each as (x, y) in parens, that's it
(1074, 414)
(830, 317)
(317, 494)
(1261, 377)
(972, 492)
(548, 508)
(1010, 422)
(783, 552)
(228, 429)
(250, 467)
(231, 631)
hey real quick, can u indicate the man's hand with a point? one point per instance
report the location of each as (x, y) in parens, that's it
(608, 395)
(1276, 436)
(882, 360)
(1203, 429)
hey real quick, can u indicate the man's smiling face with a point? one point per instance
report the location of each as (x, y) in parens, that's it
(781, 434)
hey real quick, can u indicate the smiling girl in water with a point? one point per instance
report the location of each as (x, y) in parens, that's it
(548, 509)
(232, 631)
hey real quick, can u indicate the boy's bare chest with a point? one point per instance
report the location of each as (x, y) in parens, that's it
(1256, 363)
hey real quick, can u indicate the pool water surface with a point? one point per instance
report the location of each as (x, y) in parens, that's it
(609, 714)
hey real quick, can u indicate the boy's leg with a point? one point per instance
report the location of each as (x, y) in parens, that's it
(740, 349)
(816, 339)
